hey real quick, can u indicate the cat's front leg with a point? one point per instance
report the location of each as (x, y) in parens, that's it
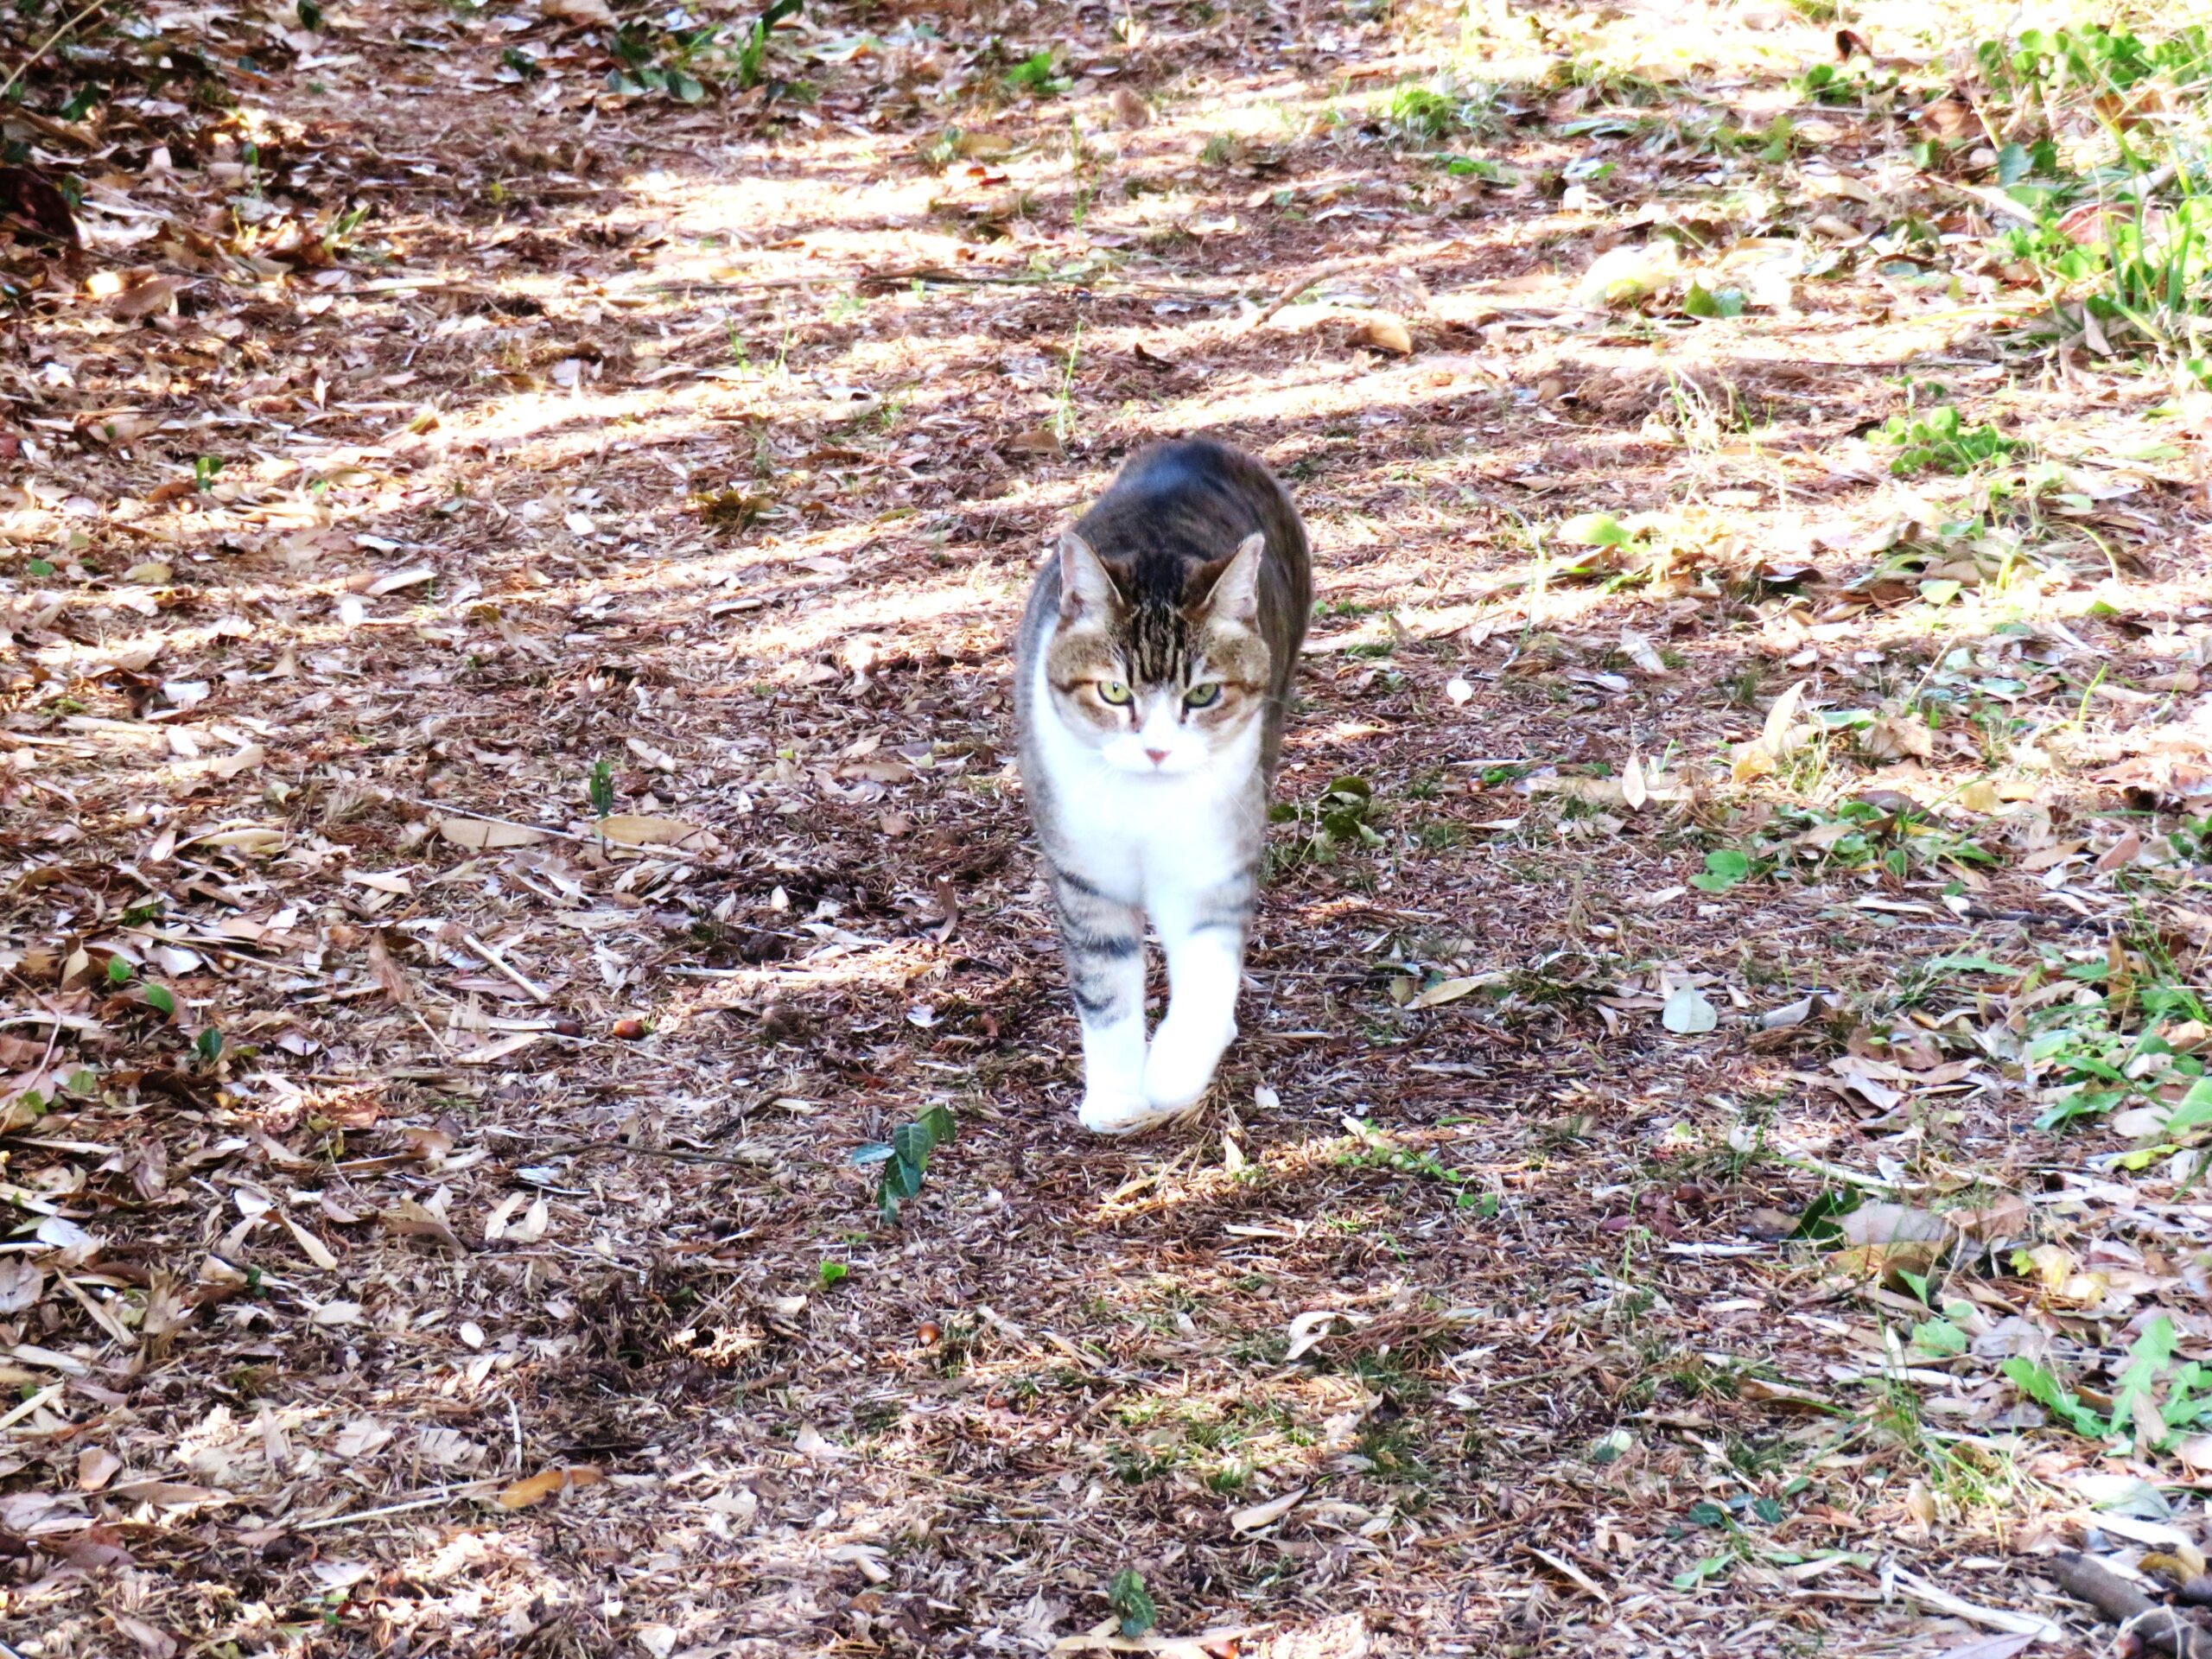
(1203, 932)
(1102, 941)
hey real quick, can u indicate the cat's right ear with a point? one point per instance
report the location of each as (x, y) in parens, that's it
(1085, 583)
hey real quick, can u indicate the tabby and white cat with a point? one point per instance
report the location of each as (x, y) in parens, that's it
(1153, 671)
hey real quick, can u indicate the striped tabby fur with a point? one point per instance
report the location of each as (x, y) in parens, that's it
(1153, 675)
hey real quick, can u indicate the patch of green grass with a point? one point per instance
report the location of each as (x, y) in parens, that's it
(1836, 84)
(1135, 1465)
(2103, 1046)
(1440, 109)
(1392, 1450)
(1439, 835)
(2123, 246)
(1343, 817)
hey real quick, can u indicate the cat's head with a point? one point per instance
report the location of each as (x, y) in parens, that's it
(1158, 681)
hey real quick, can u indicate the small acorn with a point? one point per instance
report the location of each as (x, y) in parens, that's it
(628, 1030)
(929, 1333)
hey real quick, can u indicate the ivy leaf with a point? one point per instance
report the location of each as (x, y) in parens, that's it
(1592, 530)
(910, 1144)
(937, 1120)
(2041, 1385)
(2146, 1359)
(1820, 1220)
(902, 1179)
(161, 1000)
(1723, 869)
(1132, 1603)
(1939, 1336)
(1703, 302)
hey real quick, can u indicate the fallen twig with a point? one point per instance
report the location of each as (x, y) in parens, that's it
(1307, 279)
(2123, 1603)
(445, 811)
(46, 45)
(1995, 200)
(680, 1155)
(1938, 1599)
(1976, 914)
(536, 993)
(445, 1495)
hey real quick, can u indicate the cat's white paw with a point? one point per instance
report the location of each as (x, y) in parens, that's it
(1119, 1114)
(1181, 1065)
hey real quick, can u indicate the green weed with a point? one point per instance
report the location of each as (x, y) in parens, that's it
(1940, 440)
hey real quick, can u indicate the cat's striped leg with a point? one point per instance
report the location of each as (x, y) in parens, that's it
(1203, 932)
(1102, 941)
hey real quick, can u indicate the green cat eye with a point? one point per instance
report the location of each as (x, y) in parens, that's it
(1202, 697)
(1113, 691)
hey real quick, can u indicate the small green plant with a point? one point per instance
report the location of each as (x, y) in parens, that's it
(2104, 1049)
(1839, 84)
(1132, 1602)
(1725, 868)
(1423, 111)
(1063, 405)
(2132, 260)
(1479, 167)
(1377, 1149)
(2107, 60)
(1036, 77)
(753, 55)
(158, 997)
(1942, 441)
(1426, 114)
(1711, 302)
(1344, 816)
(905, 1158)
(833, 1273)
(2135, 1404)
(649, 60)
(203, 468)
(602, 788)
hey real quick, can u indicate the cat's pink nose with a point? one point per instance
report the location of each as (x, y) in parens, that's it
(1158, 757)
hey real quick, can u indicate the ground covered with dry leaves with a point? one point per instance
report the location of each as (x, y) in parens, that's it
(510, 524)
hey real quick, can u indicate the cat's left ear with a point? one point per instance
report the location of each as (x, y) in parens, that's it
(1235, 595)
(1085, 583)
